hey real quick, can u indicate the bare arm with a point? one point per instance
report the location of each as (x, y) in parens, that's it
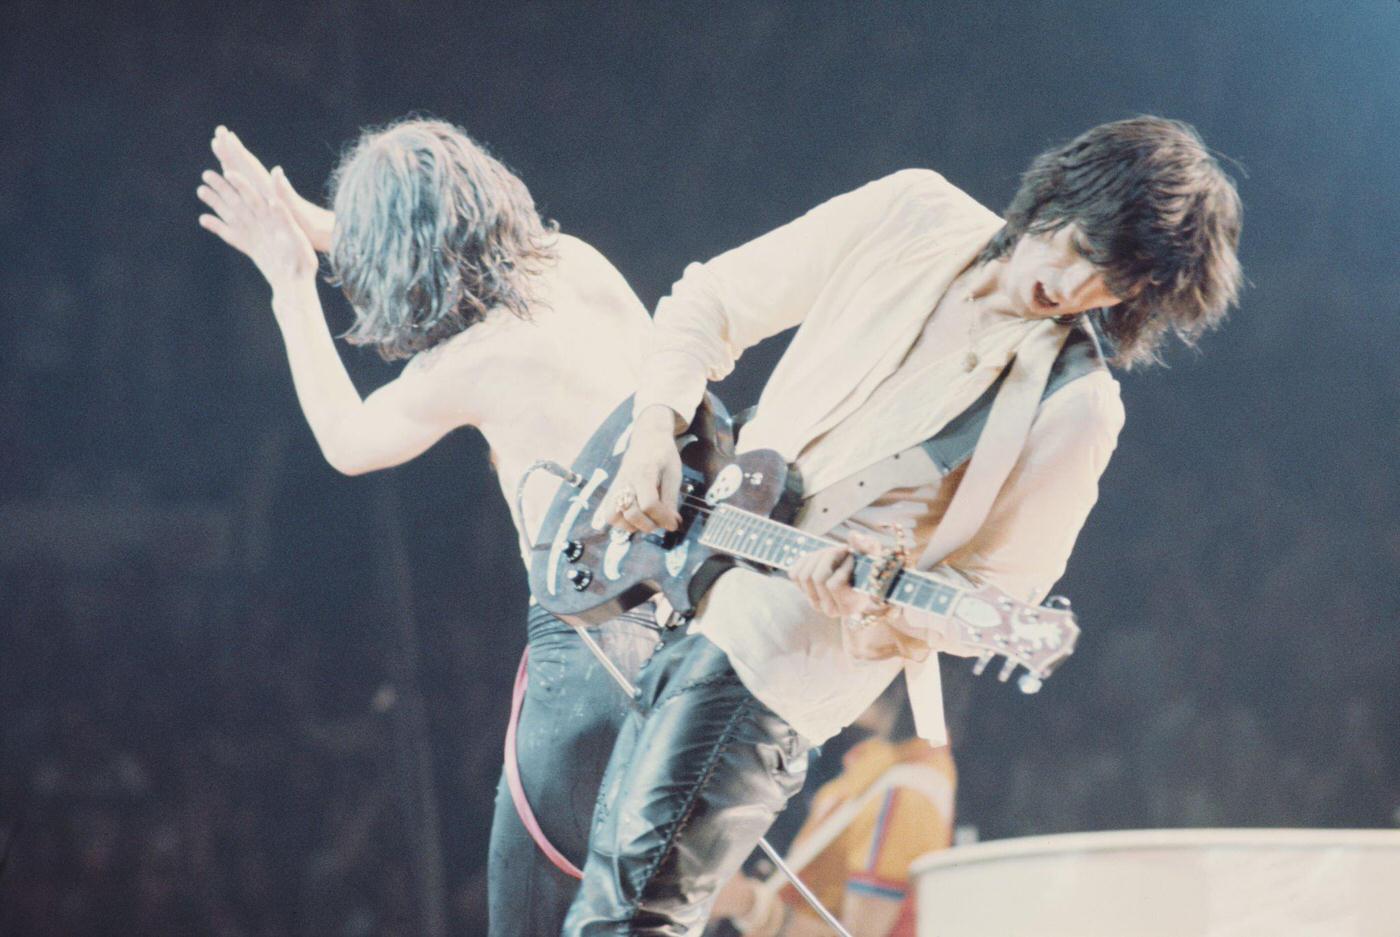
(391, 426)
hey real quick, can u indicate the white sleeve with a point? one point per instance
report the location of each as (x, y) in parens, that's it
(723, 306)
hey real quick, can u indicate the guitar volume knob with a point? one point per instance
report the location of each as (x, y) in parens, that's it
(573, 550)
(579, 578)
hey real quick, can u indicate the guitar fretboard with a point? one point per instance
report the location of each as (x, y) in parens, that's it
(770, 543)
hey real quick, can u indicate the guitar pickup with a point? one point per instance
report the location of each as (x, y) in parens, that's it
(692, 490)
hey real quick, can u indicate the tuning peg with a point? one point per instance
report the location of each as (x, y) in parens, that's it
(1059, 603)
(1006, 670)
(981, 664)
(1029, 683)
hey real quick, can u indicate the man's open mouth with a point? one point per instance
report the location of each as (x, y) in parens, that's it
(1042, 299)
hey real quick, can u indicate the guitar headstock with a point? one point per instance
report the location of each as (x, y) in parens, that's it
(1036, 637)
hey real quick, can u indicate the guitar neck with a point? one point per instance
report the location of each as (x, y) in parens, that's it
(770, 543)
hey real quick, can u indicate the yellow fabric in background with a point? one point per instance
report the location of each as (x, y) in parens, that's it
(873, 854)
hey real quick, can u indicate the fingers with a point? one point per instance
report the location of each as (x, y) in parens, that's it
(219, 184)
(635, 518)
(216, 226)
(213, 199)
(644, 491)
(233, 155)
(658, 504)
(624, 508)
(231, 196)
(279, 209)
(285, 193)
(668, 513)
(621, 507)
(823, 577)
(226, 204)
(863, 543)
(246, 191)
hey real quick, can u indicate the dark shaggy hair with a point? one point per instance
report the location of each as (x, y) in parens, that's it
(431, 232)
(1157, 214)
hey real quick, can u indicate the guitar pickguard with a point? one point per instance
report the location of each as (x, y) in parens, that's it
(578, 503)
(619, 545)
(724, 486)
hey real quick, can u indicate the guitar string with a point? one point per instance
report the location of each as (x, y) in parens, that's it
(703, 508)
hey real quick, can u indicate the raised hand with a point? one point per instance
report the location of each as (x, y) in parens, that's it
(260, 226)
(234, 157)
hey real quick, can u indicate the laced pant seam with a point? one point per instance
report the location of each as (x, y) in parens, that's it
(725, 737)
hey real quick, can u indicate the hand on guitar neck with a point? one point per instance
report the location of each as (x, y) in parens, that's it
(827, 578)
(642, 512)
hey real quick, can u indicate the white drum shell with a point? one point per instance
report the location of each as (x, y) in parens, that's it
(1165, 883)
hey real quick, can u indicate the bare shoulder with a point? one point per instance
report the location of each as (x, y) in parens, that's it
(583, 259)
(468, 349)
(591, 276)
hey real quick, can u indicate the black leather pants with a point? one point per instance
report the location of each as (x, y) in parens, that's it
(694, 781)
(568, 722)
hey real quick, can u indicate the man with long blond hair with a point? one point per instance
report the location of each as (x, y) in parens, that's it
(502, 318)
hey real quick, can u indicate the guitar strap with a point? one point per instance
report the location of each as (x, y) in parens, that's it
(947, 449)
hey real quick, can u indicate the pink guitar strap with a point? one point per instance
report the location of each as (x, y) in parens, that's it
(517, 789)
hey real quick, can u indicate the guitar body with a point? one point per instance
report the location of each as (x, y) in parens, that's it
(591, 576)
(736, 509)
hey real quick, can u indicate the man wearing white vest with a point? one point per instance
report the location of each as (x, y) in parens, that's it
(910, 300)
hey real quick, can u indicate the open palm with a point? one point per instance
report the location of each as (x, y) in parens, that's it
(234, 157)
(259, 226)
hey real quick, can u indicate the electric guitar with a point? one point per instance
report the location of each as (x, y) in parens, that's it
(734, 511)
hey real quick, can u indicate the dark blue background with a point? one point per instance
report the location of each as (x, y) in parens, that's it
(210, 722)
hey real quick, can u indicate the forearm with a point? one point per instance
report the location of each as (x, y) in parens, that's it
(722, 307)
(688, 346)
(327, 396)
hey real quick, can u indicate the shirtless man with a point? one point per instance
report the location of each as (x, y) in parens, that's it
(447, 263)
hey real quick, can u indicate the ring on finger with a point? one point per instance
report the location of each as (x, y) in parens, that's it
(626, 498)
